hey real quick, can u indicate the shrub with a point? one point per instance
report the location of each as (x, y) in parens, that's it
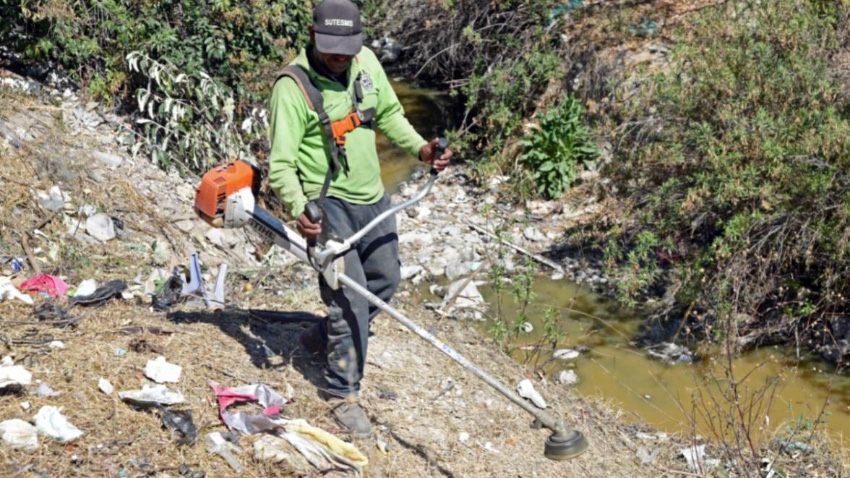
(555, 148)
(740, 176)
(230, 43)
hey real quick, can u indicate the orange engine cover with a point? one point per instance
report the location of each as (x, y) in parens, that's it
(222, 181)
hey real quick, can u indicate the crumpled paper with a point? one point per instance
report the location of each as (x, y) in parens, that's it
(161, 371)
(271, 401)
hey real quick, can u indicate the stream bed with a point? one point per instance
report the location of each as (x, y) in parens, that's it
(677, 396)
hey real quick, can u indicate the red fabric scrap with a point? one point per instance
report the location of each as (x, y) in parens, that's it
(52, 285)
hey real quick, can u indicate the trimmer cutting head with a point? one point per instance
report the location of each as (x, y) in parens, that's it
(565, 445)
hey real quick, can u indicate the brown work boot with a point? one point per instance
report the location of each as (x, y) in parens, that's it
(351, 416)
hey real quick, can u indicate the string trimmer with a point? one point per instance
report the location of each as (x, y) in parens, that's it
(226, 198)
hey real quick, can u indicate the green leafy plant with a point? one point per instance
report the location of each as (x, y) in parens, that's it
(222, 51)
(557, 147)
(189, 118)
(736, 182)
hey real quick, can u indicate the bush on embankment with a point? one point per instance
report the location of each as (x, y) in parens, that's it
(500, 58)
(735, 165)
(730, 165)
(198, 64)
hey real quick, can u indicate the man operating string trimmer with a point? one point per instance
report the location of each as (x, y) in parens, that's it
(324, 167)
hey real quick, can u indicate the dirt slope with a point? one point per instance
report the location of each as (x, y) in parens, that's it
(422, 428)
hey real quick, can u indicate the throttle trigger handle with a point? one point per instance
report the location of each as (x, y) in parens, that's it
(439, 149)
(313, 212)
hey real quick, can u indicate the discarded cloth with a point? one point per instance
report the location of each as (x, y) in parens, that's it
(244, 422)
(52, 285)
(343, 451)
(102, 294)
(13, 377)
(19, 435)
(50, 421)
(149, 396)
(9, 291)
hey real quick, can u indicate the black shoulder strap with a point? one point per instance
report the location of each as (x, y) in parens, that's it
(311, 93)
(316, 102)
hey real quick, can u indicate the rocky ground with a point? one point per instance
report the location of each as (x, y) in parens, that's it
(76, 205)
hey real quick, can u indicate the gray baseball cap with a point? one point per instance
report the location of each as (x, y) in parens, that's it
(337, 27)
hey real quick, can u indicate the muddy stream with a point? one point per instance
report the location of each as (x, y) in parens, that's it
(666, 395)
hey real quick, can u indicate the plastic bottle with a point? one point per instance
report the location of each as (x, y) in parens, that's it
(218, 445)
(7, 133)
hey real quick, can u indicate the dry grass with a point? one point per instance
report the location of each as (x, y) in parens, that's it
(421, 429)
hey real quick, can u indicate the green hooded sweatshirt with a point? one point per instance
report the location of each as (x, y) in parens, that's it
(300, 155)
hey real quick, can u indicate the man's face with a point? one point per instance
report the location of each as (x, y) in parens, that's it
(336, 64)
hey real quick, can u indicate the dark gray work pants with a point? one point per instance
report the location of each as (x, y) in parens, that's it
(374, 263)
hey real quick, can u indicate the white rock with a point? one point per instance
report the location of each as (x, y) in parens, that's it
(56, 344)
(408, 272)
(525, 389)
(422, 212)
(464, 437)
(566, 354)
(86, 287)
(13, 375)
(108, 159)
(216, 236)
(528, 327)
(161, 371)
(50, 421)
(468, 298)
(105, 386)
(413, 237)
(88, 210)
(533, 234)
(540, 208)
(100, 227)
(19, 435)
(567, 377)
(25, 405)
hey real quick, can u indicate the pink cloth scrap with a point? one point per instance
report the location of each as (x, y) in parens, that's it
(241, 421)
(52, 285)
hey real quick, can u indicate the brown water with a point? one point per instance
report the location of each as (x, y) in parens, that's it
(672, 397)
(430, 113)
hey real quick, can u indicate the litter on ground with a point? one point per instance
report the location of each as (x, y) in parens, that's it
(161, 371)
(50, 421)
(18, 434)
(149, 395)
